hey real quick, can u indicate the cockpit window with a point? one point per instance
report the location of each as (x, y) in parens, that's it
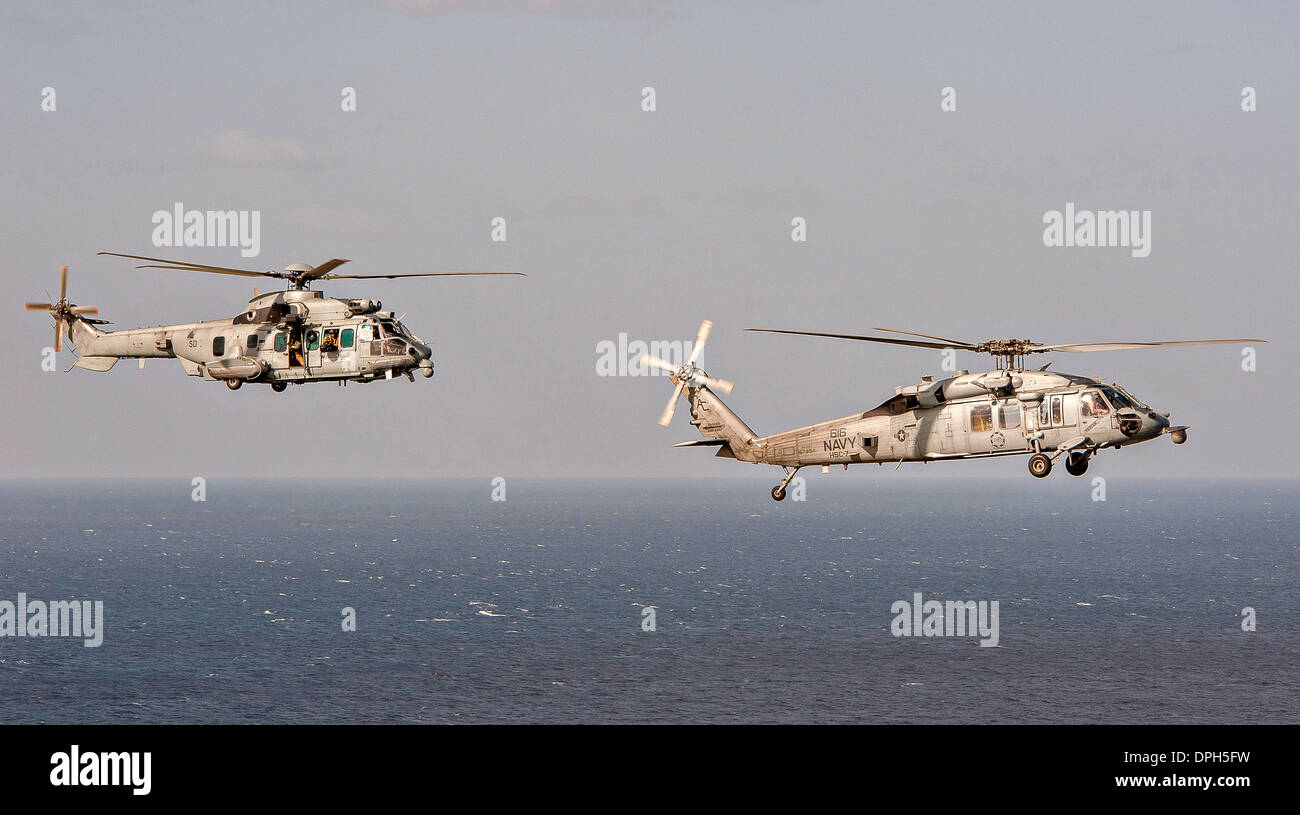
(1091, 405)
(1136, 401)
(1119, 401)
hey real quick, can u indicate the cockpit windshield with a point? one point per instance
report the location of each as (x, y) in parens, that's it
(1118, 400)
(1136, 401)
(392, 328)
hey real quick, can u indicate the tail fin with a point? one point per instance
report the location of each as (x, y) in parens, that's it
(708, 413)
(715, 420)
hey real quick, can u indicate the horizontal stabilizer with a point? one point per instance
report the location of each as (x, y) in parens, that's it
(100, 364)
(701, 443)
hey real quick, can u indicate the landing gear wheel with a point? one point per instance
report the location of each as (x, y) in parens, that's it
(778, 493)
(1039, 465)
(234, 384)
(279, 387)
(1076, 463)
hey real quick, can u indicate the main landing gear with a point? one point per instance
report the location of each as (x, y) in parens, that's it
(279, 387)
(778, 492)
(1040, 465)
(1076, 463)
(234, 384)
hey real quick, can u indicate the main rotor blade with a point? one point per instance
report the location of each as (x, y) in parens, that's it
(1083, 347)
(236, 272)
(701, 337)
(914, 343)
(955, 343)
(63, 283)
(413, 274)
(193, 267)
(325, 268)
(667, 417)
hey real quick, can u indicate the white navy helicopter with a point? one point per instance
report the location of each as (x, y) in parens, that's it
(280, 338)
(1006, 411)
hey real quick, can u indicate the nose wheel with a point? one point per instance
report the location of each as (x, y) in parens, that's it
(1039, 465)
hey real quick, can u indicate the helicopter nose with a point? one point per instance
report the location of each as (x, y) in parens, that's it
(1153, 424)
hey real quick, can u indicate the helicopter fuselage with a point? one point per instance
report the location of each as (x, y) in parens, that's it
(282, 337)
(971, 416)
(1006, 411)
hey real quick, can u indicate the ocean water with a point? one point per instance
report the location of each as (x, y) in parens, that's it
(530, 610)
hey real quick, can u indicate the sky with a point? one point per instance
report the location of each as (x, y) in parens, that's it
(642, 223)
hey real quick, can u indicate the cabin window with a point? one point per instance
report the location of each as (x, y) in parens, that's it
(218, 346)
(981, 418)
(1042, 415)
(1009, 415)
(252, 342)
(330, 342)
(313, 340)
(281, 342)
(1056, 411)
(347, 337)
(366, 332)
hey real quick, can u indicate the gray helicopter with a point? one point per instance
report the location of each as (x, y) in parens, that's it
(281, 338)
(1006, 411)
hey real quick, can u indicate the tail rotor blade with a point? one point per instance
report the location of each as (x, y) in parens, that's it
(84, 309)
(58, 336)
(667, 416)
(38, 306)
(723, 385)
(656, 362)
(701, 337)
(63, 282)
